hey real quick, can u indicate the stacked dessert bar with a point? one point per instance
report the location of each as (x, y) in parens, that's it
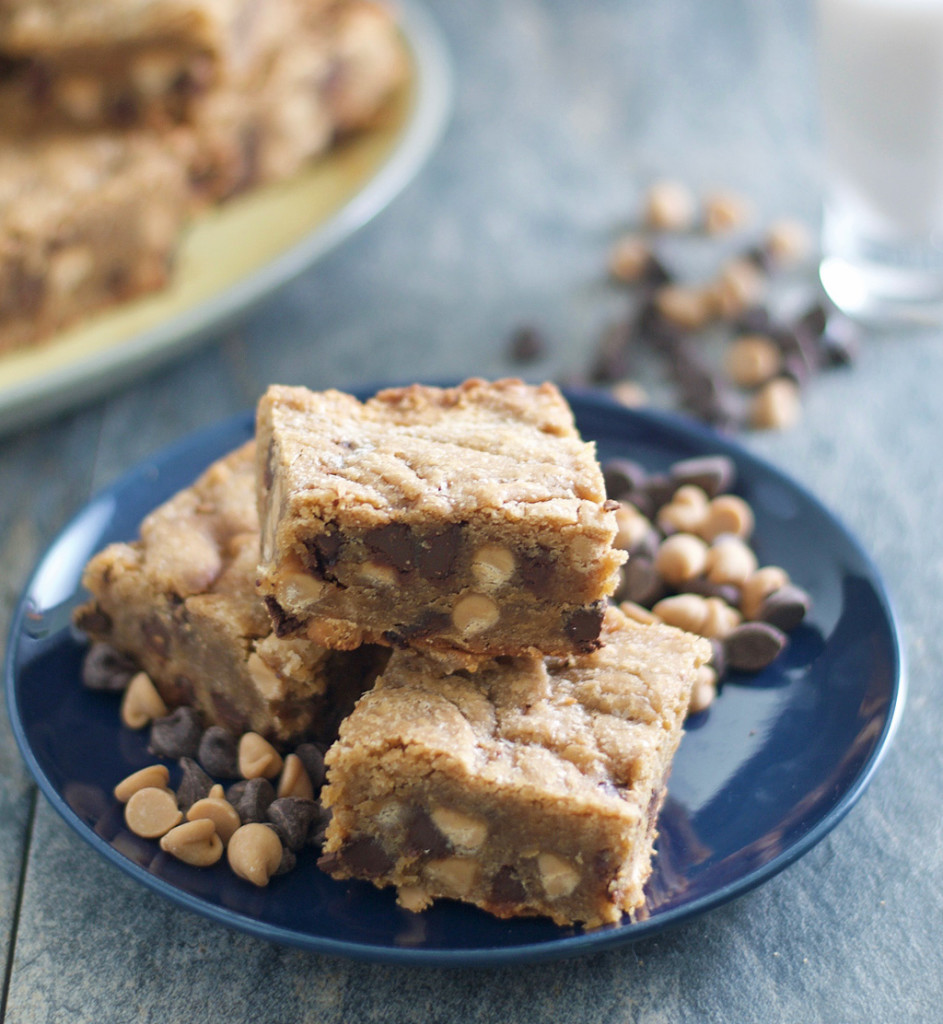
(179, 103)
(448, 554)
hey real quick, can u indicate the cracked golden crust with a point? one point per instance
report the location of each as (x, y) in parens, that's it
(502, 448)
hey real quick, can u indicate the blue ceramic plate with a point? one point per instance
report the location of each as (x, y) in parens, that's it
(775, 763)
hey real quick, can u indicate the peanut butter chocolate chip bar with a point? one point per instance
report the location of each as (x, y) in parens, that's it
(531, 787)
(470, 519)
(181, 602)
(76, 233)
(334, 74)
(115, 63)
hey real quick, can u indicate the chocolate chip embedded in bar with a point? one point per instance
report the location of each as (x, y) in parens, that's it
(181, 603)
(531, 787)
(469, 519)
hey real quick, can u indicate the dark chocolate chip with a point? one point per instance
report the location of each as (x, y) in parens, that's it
(752, 646)
(194, 785)
(583, 625)
(288, 861)
(364, 856)
(105, 668)
(660, 490)
(312, 757)
(536, 570)
(94, 620)
(714, 474)
(785, 608)
(176, 735)
(394, 543)
(622, 476)
(218, 752)
(424, 838)
(323, 552)
(435, 553)
(507, 890)
(526, 345)
(613, 359)
(292, 817)
(641, 583)
(318, 827)
(251, 798)
(285, 624)
(813, 321)
(718, 658)
(840, 341)
(755, 320)
(330, 862)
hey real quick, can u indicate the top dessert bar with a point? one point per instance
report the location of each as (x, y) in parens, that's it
(529, 787)
(181, 602)
(469, 519)
(121, 62)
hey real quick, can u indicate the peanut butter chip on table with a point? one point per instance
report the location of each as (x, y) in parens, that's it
(152, 812)
(258, 758)
(194, 842)
(154, 776)
(141, 702)
(255, 853)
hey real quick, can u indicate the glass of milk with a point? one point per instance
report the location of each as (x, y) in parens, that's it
(881, 80)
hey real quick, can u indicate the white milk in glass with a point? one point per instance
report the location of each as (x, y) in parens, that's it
(881, 79)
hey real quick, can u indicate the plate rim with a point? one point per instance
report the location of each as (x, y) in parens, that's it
(584, 942)
(60, 389)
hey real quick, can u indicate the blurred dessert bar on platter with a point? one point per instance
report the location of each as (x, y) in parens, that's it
(179, 103)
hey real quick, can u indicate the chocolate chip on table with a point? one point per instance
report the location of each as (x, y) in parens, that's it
(292, 819)
(251, 798)
(526, 345)
(752, 646)
(312, 757)
(641, 582)
(714, 474)
(105, 668)
(785, 608)
(623, 476)
(317, 830)
(176, 735)
(195, 784)
(218, 753)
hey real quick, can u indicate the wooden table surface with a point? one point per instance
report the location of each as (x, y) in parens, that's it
(563, 113)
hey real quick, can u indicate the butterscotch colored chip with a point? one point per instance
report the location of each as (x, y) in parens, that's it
(194, 842)
(151, 812)
(258, 758)
(141, 702)
(154, 776)
(255, 853)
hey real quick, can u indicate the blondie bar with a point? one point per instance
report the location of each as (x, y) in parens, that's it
(334, 74)
(181, 602)
(85, 221)
(531, 787)
(470, 519)
(117, 63)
